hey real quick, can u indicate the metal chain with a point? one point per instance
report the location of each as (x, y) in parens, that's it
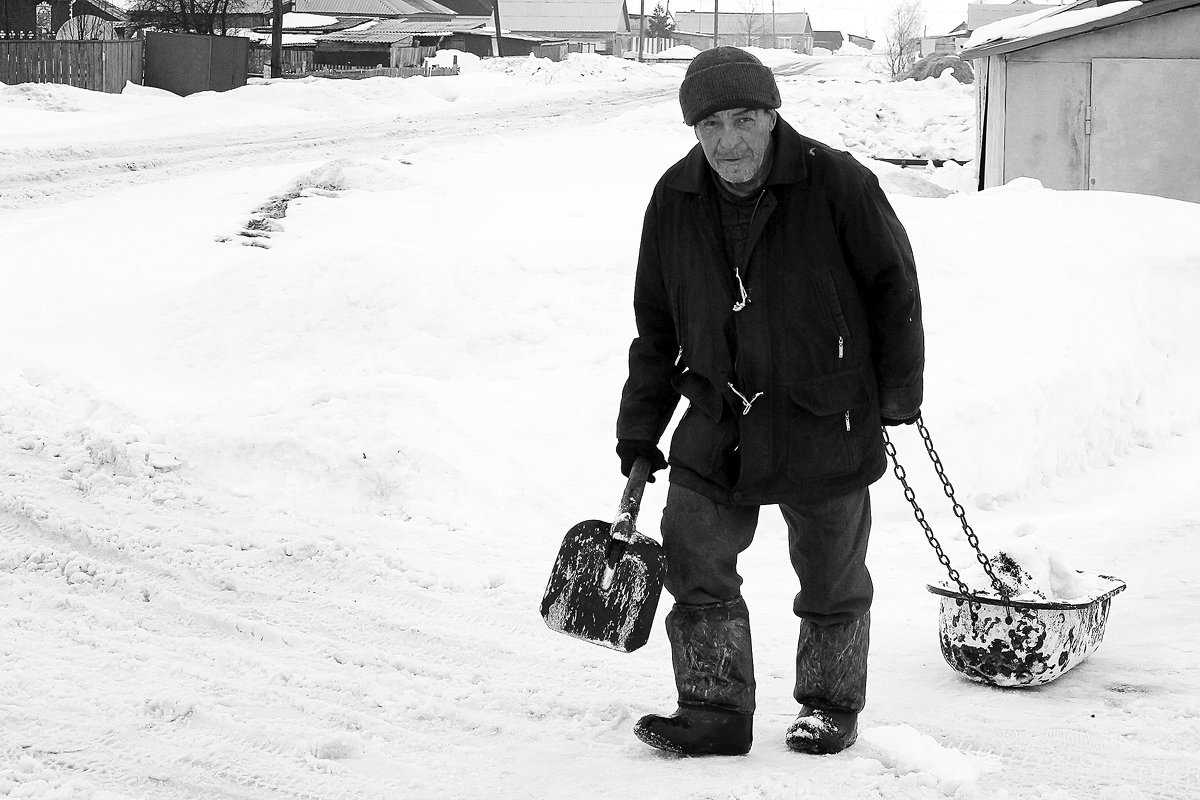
(959, 512)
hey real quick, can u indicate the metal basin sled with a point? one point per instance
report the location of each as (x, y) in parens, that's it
(1021, 643)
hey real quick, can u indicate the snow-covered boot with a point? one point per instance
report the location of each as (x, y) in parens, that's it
(714, 675)
(822, 732)
(831, 685)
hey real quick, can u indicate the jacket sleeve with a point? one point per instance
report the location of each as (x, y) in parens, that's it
(881, 260)
(648, 399)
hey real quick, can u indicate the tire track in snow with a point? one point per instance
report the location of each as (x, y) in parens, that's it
(30, 178)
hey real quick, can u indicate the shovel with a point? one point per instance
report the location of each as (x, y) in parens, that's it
(606, 580)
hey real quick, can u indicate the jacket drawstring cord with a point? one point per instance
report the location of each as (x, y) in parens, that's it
(740, 304)
(745, 403)
(737, 272)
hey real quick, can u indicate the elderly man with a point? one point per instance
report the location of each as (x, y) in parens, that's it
(776, 291)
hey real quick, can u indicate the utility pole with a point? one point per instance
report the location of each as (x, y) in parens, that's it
(641, 31)
(277, 39)
(716, 23)
(496, 17)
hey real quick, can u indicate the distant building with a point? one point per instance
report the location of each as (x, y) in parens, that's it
(406, 43)
(587, 25)
(469, 8)
(427, 10)
(19, 18)
(788, 30)
(980, 14)
(828, 40)
(950, 43)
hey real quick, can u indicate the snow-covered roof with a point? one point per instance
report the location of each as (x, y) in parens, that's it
(370, 8)
(576, 16)
(1020, 33)
(394, 30)
(315, 24)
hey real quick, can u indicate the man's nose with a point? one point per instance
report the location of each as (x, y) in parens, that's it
(728, 139)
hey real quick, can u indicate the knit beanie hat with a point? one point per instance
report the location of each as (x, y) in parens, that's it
(722, 78)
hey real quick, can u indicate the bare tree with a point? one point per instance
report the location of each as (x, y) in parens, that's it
(185, 16)
(902, 35)
(752, 24)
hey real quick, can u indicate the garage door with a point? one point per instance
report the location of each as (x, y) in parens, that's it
(1145, 120)
(1044, 137)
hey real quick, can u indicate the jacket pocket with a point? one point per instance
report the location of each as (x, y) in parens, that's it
(699, 393)
(706, 434)
(833, 304)
(829, 424)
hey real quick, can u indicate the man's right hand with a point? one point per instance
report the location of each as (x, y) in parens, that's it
(630, 450)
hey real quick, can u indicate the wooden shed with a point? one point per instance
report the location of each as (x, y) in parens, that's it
(1096, 100)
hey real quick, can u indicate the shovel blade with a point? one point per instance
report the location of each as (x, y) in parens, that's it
(611, 605)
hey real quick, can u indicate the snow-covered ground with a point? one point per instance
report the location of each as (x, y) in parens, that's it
(302, 384)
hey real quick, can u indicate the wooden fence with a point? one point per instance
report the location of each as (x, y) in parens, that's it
(102, 66)
(325, 71)
(294, 61)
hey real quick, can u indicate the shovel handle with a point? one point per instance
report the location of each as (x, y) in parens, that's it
(631, 501)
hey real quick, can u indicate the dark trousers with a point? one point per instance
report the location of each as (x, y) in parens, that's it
(709, 626)
(827, 543)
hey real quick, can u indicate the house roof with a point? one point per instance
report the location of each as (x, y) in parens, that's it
(980, 14)
(575, 16)
(1047, 31)
(395, 30)
(516, 37)
(470, 8)
(370, 8)
(310, 24)
(786, 23)
(117, 13)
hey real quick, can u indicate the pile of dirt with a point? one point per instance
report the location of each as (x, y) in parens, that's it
(932, 66)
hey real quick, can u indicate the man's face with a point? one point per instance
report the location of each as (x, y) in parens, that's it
(736, 141)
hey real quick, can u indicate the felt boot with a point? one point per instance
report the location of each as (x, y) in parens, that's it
(831, 685)
(714, 676)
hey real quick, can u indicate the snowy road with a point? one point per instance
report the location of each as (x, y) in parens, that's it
(53, 171)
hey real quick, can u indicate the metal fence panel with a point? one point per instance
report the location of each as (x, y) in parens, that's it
(186, 63)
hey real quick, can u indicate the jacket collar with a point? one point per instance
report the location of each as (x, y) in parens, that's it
(693, 175)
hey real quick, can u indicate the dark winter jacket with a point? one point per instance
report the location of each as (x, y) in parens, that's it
(785, 395)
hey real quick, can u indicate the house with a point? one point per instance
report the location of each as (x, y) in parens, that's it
(786, 30)
(1092, 96)
(298, 41)
(380, 9)
(828, 40)
(950, 43)
(406, 43)
(19, 18)
(980, 14)
(861, 41)
(469, 8)
(587, 25)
